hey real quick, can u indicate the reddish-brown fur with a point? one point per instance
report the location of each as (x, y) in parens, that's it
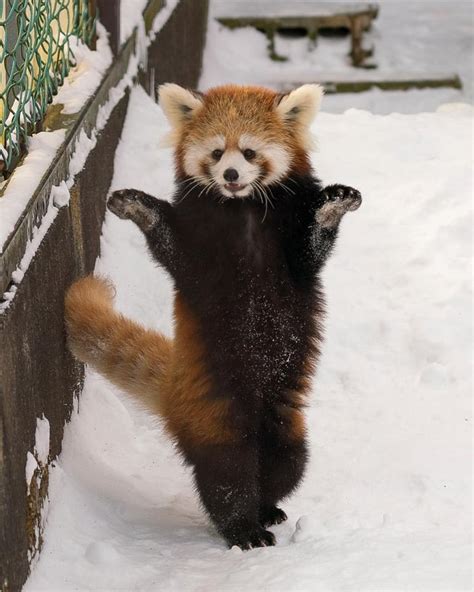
(169, 377)
(232, 111)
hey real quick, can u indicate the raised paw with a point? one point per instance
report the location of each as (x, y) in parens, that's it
(337, 200)
(271, 515)
(131, 204)
(251, 538)
(348, 197)
(124, 203)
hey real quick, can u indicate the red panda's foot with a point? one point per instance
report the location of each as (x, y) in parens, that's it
(248, 536)
(338, 199)
(271, 515)
(131, 204)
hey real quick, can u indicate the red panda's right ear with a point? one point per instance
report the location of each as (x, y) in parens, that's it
(298, 108)
(178, 103)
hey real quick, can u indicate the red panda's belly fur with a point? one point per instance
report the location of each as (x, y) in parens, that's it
(247, 330)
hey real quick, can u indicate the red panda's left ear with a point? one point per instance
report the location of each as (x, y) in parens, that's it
(179, 104)
(299, 107)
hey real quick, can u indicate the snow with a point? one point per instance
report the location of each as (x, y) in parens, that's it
(130, 16)
(37, 462)
(42, 148)
(41, 449)
(85, 77)
(386, 503)
(30, 468)
(57, 200)
(281, 8)
(415, 38)
(42, 439)
(163, 15)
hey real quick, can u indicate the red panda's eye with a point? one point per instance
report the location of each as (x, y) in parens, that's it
(216, 154)
(249, 154)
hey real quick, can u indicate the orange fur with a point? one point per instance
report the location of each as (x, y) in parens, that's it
(169, 378)
(126, 353)
(191, 413)
(232, 111)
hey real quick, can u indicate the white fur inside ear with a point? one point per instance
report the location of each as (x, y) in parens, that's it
(301, 105)
(178, 103)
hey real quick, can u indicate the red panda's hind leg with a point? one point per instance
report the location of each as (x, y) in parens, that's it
(283, 459)
(227, 481)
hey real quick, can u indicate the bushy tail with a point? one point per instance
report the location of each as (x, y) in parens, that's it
(132, 357)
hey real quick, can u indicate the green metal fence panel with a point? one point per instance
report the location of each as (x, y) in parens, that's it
(35, 57)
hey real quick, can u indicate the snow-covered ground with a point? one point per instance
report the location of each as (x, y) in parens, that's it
(386, 504)
(386, 501)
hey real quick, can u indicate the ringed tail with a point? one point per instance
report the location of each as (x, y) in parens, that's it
(132, 357)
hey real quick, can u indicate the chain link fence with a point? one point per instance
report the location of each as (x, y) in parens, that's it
(36, 40)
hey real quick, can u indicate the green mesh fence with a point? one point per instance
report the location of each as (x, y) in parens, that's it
(35, 57)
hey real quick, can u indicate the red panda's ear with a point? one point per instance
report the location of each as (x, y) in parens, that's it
(178, 103)
(299, 107)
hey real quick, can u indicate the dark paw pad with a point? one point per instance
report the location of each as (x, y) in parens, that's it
(252, 538)
(337, 200)
(272, 515)
(345, 197)
(124, 203)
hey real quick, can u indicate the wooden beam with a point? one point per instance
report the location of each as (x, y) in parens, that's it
(108, 12)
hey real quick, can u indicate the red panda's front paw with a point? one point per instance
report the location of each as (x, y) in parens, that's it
(131, 204)
(124, 203)
(337, 200)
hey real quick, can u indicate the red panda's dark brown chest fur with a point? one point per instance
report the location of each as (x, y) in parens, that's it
(254, 294)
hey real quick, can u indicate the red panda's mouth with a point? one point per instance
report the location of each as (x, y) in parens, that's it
(234, 187)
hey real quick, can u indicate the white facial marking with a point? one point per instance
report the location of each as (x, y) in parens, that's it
(195, 154)
(248, 170)
(275, 154)
(279, 160)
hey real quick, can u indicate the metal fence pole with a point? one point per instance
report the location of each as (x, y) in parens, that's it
(12, 58)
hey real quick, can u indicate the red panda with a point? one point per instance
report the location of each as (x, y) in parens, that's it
(245, 238)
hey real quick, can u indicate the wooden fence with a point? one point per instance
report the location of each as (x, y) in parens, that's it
(38, 376)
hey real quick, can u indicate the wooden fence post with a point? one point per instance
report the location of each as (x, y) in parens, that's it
(109, 15)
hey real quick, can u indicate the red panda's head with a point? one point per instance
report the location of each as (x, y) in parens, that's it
(240, 138)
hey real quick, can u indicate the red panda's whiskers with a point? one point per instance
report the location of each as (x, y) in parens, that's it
(265, 191)
(257, 192)
(206, 187)
(285, 187)
(257, 188)
(212, 184)
(262, 191)
(193, 183)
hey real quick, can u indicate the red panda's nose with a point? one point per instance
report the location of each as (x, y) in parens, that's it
(231, 175)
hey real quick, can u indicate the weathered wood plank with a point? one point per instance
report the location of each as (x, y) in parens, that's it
(403, 82)
(312, 17)
(283, 8)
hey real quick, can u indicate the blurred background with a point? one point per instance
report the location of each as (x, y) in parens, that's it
(419, 52)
